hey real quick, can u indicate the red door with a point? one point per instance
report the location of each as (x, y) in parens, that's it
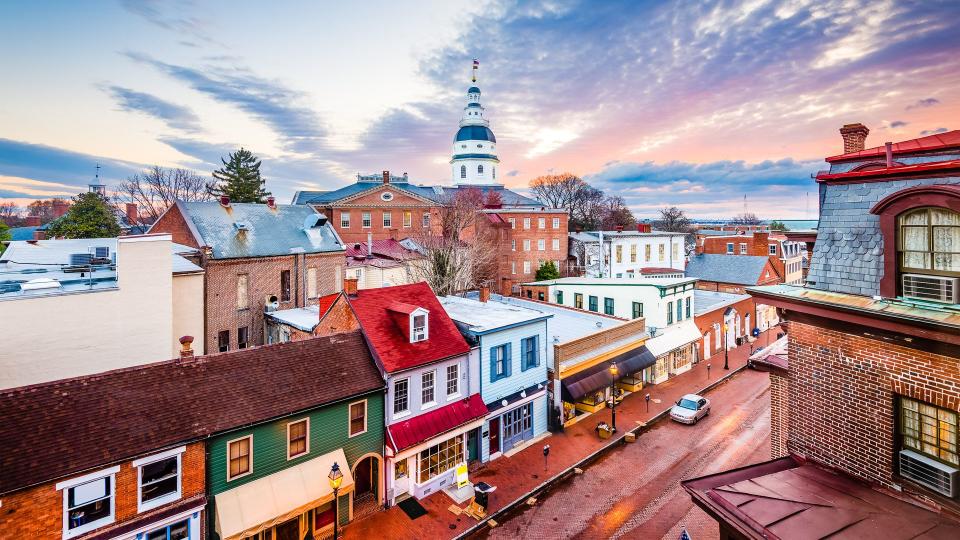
(494, 435)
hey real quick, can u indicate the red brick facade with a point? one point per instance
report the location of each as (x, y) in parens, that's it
(37, 512)
(518, 243)
(705, 323)
(406, 215)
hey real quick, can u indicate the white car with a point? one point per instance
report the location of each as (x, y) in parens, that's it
(690, 408)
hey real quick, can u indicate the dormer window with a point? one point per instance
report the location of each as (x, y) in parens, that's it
(418, 327)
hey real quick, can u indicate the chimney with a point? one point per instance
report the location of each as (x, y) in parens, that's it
(619, 228)
(186, 348)
(272, 202)
(761, 243)
(484, 294)
(386, 177)
(854, 137)
(132, 215)
(60, 207)
(225, 201)
(350, 287)
(32, 221)
(643, 227)
(889, 146)
(369, 245)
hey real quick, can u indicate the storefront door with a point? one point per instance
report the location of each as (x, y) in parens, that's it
(517, 426)
(494, 435)
(473, 450)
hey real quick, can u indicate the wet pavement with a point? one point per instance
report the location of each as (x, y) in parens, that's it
(634, 491)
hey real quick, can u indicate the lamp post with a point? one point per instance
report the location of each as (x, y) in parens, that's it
(613, 396)
(726, 350)
(335, 477)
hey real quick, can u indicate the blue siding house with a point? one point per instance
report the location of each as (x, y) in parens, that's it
(510, 345)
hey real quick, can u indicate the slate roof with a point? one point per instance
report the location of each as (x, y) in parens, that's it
(929, 143)
(734, 269)
(422, 427)
(434, 193)
(390, 343)
(269, 231)
(707, 301)
(65, 427)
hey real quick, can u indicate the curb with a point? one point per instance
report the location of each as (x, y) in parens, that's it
(590, 458)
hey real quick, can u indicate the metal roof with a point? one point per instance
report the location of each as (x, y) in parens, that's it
(735, 269)
(266, 232)
(474, 133)
(488, 316)
(707, 301)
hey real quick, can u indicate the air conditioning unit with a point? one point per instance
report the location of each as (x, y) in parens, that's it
(935, 288)
(100, 252)
(271, 303)
(928, 472)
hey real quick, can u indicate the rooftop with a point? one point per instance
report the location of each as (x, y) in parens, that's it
(659, 282)
(593, 236)
(734, 269)
(385, 253)
(566, 324)
(436, 193)
(483, 317)
(707, 301)
(940, 141)
(47, 433)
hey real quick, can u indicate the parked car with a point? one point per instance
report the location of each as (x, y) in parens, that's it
(690, 408)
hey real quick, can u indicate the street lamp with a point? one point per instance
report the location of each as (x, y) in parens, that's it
(613, 396)
(726, 350)
(336, 478)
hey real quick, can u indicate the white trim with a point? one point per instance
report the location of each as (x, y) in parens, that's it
(366, 413)
(87, 477)
(157, 457)
(169, 497)
(189, 514)
(502, 410)
(250, 471)
(307, 449)
(110, 473)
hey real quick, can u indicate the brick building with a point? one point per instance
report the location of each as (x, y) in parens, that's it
(256, 257)
(733, 275)
(714, 311)
(785, 255)
(868, 398)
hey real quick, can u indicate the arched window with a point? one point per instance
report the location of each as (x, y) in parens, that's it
(479, 169)
(463, 171)
(929, 241)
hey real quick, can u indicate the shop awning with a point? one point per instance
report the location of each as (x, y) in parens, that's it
(257, 505)
(673, 337)
(427, 426)
(577, 385)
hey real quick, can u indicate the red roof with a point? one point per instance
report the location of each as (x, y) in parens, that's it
(324, 303)
(900, 170)
(923, 144)
(389, 248)
(376, 310)
(426, 426)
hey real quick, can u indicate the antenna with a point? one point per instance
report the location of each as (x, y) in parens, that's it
(97, 175)
(476, 66)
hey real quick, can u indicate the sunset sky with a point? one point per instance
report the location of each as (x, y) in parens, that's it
(692, 104)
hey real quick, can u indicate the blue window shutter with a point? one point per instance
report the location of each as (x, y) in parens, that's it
(524, 343)
(493, 364)
(509, 361)
(536, 351)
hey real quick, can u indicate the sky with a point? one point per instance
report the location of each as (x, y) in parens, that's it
(693, 104)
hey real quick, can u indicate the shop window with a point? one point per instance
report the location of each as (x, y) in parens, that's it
(159, 479)
(284, 285)
(88, 504)
(298, 438)
(242, 337)
(358, 418)
(531, 352)
(175, 531)
(223, 340)
(438, 459)
(239, 457)
(594, 303)
(608, 306)
(401, 396)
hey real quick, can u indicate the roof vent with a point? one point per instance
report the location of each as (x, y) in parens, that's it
(313, 221)
(40, 283)
(241, 225)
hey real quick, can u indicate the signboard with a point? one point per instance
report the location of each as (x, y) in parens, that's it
(462, 480)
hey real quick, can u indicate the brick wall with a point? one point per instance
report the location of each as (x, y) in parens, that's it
(510, 267)
(263, 279)
(534, 292)
(842, 392)
(779, 403)
(721, 287)
(172, 222)
(37, 512)
(706, 321)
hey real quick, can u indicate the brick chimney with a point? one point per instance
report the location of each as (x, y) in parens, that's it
(186, 348)
(60, 207)
(350, 287)
(133, 216)
(619, 228)
(31, 221)
(386, 177)
(854, 137)
(643, 227)
(225, 201)
(761, 243)
(272, 202)
(484, 294)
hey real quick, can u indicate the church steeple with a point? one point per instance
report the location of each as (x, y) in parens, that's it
(474, 146)
(95, 186)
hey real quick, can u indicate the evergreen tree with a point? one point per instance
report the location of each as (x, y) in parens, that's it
(547, 270)
(239, 178)
(90, 216)
(4, 236)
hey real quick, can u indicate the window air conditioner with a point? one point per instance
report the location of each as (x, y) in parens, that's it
(935, 288)
(928, 472)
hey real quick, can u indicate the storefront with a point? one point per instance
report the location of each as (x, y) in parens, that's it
(588, 390)
(514, 421)
(287, 504)
(181, 526)
(674, 349)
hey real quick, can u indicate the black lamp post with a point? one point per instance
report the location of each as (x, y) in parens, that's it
(726, 350)
(613, 396)
(336, 478)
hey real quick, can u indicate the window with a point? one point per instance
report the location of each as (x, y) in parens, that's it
(358, 418)
(513, 223)
(619, 253)
(463, 171)
(401, 396)
(929, 429)
(513, 267)
(344, 220)
(239, 457)
(223, 340)
(298, 438)
(541, 244)
(540, 296)
(407, 219)
(676, 251)
(158, 479)
(679, 309)
(243, 301)
(930, 241)
(730, 248)
(400, 469)
(311, 282)
(633, 253)
(284, 285)
(773, 249)
(556, 223)
(453, 379)
(526, 223)
(577, 300)
(637, 310)
(513, 244)
(669, 312)
(662, 249)
(440, 458)
(646, 253)
(427, 396)
(608, 306)
(743, 248)
(366, 220)
(593, 303)
(387, 220)
(500, 362)
(541, 223)
(688, 308)
(88, 502)
(530, 348)
(556, 245)
(526, 267)
(175, 531)
(242, 337)
(418, 328)
(426, 220)
(526, 245)
(560, 297)
(479, 167)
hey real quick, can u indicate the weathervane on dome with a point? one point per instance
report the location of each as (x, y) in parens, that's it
(476, 66)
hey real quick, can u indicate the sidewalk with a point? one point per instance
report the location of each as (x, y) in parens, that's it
(519, 474)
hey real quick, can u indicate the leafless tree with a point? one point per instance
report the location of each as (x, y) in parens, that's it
(156, 188)
(746, 218)
(673, 219)
(42, 209)
(615, 213)
(10, 214)
(558, 190)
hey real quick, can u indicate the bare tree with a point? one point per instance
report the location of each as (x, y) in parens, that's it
(558, 190)
(615, 213)
(10, 214)
(156, 188)
(673, 219)
(42, 209)
(746, 218)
